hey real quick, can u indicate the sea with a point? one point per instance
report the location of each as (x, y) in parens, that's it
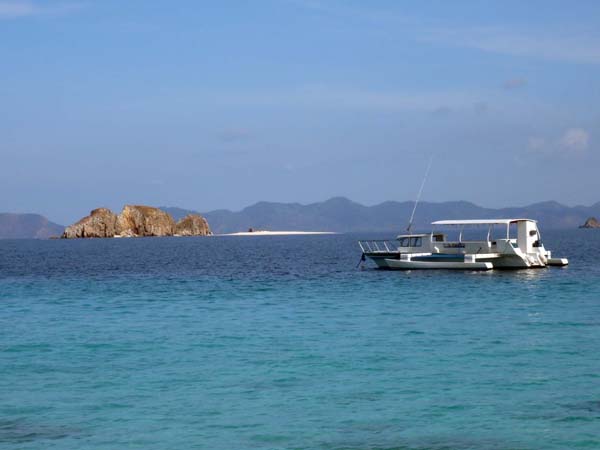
(282, 342)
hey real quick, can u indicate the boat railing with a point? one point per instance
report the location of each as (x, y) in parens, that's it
(378, 246)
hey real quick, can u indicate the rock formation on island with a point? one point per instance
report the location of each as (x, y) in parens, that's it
(192, 225)
(101, 222)
(592, 222)
(136, 221)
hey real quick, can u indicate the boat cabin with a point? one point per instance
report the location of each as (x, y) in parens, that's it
(497, 233)
(519, 233)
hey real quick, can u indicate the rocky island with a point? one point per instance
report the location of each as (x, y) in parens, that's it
(592, 222)
(136, 221)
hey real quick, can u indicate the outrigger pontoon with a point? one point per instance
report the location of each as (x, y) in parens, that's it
(434, 251)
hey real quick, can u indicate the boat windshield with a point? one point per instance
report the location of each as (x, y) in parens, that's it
(411, 241)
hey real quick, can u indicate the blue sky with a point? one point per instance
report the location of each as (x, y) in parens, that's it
(219, 105)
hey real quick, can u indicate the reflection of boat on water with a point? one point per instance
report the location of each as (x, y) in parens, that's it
(507, 244)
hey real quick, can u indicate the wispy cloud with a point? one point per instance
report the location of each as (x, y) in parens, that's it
(514, 83)
(14, 9)
(346, 10)
(536, 144)
(481, 107)
(333, 97)
(570, 45)
(567, 47)
(442, 111)
(573, 142)
(234, 134)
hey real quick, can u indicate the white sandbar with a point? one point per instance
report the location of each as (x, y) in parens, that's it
(274, 233)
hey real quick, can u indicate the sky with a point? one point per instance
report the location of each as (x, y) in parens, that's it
(210, 105)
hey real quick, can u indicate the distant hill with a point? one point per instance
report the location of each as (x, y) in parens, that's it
(27, 226)
(343, 215)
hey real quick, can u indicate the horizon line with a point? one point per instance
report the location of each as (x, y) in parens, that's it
(330, 199)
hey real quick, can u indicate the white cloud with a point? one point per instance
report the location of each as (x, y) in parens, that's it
(575, 140)
(14, 9)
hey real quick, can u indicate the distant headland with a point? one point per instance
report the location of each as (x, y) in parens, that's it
(136, 221)
(342, 215)
(592, 222)
(27, 226)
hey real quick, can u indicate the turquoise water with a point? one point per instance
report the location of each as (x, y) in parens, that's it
(280, 343)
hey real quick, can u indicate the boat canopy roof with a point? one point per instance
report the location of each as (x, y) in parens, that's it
(480, 222)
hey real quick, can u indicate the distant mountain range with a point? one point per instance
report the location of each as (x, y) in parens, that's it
(343, 215)
(30, 226)
(336, 214)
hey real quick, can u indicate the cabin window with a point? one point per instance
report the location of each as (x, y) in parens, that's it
(438, 237)
(404, 242)
(415, 242)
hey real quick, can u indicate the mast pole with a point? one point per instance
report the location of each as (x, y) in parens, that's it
(412, 216)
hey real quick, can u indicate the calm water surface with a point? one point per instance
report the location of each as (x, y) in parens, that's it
(280, 343)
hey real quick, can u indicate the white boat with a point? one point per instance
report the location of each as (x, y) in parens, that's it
(504, 243)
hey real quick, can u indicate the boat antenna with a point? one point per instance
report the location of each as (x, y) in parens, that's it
(412, 216)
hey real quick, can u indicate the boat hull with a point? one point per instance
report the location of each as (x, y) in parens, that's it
(400, 264)
(558, 262)
(447, 261)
